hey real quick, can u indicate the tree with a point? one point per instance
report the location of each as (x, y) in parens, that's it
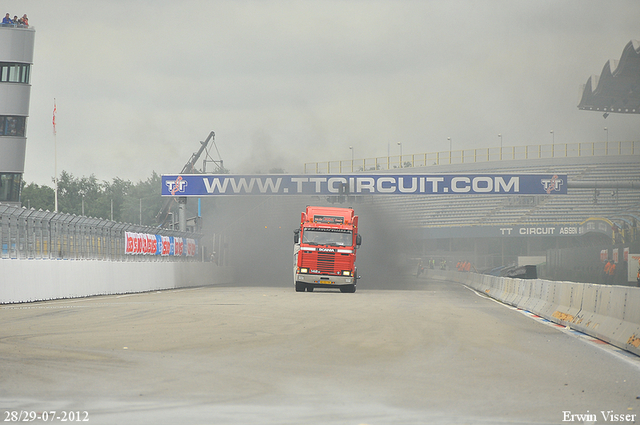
(143, 201)
(117, 192)
(38, 197)
(132, 203)
(95, 198)
(86, 193)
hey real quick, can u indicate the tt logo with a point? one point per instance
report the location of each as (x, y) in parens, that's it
(177, 185)
(552, 184)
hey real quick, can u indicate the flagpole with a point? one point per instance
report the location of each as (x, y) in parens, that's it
(55, 159)
(55, 170)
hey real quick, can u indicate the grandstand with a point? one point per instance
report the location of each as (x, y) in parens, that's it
(578, 205)
(601, 209)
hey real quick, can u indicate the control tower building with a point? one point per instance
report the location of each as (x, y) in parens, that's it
(16, 59)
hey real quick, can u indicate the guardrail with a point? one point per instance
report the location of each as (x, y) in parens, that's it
(465, 156)
(30, 234)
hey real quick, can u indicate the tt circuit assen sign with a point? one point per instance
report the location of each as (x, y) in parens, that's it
(363, 184)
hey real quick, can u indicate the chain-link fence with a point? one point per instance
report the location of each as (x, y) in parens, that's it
(30, 234)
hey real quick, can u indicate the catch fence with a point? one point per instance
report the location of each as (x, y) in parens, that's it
(36, 234)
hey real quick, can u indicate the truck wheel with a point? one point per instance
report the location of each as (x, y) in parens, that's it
(299, 287)
(348, 289)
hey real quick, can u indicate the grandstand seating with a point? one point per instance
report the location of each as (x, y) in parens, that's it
(575, 207)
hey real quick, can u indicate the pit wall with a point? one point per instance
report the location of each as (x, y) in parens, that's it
(38, 280)
(610, 313)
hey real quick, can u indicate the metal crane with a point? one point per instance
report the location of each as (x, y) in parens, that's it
(190, 168)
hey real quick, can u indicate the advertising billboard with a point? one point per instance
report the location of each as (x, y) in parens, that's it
(201, 185)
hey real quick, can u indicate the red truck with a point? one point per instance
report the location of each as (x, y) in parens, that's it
(324, 254)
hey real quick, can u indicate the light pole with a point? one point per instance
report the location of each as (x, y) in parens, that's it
(450, 151)
(500, 136)
(553, 138)
(400, 144)
(351, 148)
(55, 159)
(607, 130)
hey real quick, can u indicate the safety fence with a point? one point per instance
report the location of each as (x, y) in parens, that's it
(30, 234)
(607, 312)
(466, 156)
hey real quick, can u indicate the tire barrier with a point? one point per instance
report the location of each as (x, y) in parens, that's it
(609, 313)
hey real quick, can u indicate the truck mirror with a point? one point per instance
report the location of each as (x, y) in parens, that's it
(358, 240)
(296, 236)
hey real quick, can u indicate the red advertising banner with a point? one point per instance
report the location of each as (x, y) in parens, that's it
(626, 255)
(147, 244)
(604, 255)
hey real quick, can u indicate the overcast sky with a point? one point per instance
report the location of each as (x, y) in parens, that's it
(139, 83)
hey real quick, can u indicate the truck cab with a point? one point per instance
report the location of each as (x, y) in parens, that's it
(325, 247)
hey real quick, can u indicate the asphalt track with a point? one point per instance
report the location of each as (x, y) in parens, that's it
(430, 353)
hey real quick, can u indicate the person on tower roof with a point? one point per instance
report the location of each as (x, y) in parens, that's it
(7, 20)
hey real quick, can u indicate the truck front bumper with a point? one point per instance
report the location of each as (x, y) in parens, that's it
(324, 281)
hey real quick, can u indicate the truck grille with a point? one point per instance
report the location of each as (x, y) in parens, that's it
(326, 262)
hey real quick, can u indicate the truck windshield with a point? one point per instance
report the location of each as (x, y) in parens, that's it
(327, 237)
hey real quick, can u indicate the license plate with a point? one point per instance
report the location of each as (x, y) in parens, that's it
(325, 282)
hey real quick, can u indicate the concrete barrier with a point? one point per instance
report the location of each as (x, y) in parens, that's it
(509, 295)
(609, 313)
(549, 299)
(569, 303)
(538, 292)
(38, 280)
(484, 284)
(523, 292)
(612, 314)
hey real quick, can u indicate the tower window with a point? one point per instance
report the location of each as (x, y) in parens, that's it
(14, 72)
(12, 126)
(10, 187)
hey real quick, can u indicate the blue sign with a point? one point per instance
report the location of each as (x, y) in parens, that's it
(363, 184)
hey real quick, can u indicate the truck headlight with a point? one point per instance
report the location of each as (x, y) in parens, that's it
(346, 273)
(304, 270)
